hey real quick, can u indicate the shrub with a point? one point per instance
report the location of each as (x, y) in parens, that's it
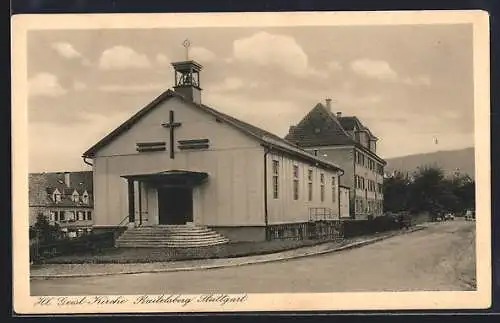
(355, 228)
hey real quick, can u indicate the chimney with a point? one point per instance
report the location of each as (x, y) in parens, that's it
(67, 179)
(328, 102)
(339, 114)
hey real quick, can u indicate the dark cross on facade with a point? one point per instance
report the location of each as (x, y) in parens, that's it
(171, 125)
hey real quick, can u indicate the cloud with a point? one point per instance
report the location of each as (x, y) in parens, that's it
(42, 148)
(229, 84)
(419, 80)
(45, 84)
(334, 66)
(251, 110)
(122, 57)
(265, 49)
(201, 54)
(66, 50)
(133, 88)
(374, 69)
(79, 86)
(162, 59)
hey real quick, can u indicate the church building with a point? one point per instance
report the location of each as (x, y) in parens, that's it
(181, 169)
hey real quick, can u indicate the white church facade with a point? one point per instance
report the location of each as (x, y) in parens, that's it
(178, 162)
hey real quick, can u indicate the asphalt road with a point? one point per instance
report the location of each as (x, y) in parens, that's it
(442, 257)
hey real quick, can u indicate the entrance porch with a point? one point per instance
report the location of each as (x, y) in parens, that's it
(165, 198)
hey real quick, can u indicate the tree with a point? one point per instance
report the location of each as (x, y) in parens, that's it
(44, 230)
(427, 191)
(396, 193)
(464, 188)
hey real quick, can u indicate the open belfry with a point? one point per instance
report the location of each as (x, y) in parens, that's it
(180, 173)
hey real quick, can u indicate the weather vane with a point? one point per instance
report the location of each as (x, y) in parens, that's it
(186, 45)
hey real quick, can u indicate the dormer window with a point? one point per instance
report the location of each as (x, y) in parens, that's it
(56, 196)
(85, 198)
(75, 197)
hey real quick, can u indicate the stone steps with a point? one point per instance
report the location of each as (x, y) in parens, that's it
(172, 236)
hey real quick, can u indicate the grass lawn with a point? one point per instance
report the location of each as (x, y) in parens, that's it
(147, 255)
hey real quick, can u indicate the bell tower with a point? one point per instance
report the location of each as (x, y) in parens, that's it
(187, 77)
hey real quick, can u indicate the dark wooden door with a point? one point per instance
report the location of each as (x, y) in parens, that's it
(175, 205)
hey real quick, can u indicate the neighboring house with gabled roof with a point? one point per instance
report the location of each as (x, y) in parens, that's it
(63, 197)
(352, 145)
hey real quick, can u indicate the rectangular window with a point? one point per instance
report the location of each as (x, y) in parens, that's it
(334, 191)
(89, 215)
(295, 182)
(310, 184)
(276, 166)
(322, 187)
(61, 216)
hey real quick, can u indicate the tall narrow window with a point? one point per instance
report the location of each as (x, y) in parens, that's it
(276, 167)
(295, 182)
(89, 215)
(334, 191)
(322, 187)
(310, 184)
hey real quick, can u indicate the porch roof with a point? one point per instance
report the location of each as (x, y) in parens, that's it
(170, 177)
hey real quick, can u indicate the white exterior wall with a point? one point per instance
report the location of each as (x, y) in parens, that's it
(232, 195)
(287, 210)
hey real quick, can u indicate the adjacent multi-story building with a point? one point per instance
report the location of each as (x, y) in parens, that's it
(347, 142)
(63, 198)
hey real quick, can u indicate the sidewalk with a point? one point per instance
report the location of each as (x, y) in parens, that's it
(48, 271)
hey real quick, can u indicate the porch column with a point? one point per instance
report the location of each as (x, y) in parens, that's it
(131, 202)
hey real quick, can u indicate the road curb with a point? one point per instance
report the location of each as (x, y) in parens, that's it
(349, 246)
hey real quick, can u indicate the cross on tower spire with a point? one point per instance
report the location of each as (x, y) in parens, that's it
(187, 43)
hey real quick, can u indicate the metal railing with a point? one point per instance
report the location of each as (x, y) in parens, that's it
(321, 214)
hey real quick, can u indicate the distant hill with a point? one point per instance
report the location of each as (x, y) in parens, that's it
(449, 161)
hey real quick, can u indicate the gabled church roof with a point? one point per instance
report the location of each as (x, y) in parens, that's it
(264, 137)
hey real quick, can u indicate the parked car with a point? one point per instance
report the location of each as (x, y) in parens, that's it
(470, 215)
(449, 216)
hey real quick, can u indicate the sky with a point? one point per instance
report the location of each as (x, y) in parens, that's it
(409, 84)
